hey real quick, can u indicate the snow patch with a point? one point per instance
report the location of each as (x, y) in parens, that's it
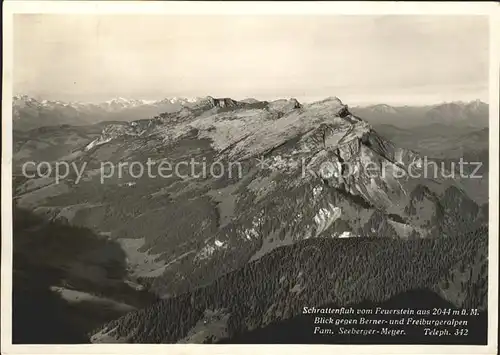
(325, 217)
(209, 249)
(96, 142)
(130, 183)
(251, 233)
(317, 191)
(218, 243)
(345, 235)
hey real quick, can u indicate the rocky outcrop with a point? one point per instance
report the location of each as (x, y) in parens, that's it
(284, 105)
(222, 102)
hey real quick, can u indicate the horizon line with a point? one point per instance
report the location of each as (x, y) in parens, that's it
(358, 104)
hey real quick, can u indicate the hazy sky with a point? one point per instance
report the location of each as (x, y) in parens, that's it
(360, 59)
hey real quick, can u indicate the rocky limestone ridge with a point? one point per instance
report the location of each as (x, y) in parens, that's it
(323, 137)
(200, 111)
(284, 105)
(281, 105)
(222, 102)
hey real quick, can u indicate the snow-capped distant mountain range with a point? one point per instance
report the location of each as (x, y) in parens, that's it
(30, 113)
(114, 104)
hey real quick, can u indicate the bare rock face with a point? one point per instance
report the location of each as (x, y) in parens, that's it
(222, 102)
(250, 100)
(284, 105)
(331, 101)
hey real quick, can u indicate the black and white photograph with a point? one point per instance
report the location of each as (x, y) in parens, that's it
(249, 178)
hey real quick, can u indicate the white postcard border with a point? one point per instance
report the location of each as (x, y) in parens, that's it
(247, 8)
